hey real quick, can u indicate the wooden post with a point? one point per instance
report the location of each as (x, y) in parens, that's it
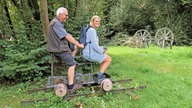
(45, 20)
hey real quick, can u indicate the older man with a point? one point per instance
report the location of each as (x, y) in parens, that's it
(58, 44)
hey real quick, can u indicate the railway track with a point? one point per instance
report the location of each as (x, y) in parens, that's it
(129, 90)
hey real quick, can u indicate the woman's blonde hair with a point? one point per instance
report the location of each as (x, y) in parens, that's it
(92, 19)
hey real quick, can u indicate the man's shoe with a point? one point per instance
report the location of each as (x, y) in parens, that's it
(75, 87)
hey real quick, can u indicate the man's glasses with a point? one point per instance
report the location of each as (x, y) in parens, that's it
(65, 14)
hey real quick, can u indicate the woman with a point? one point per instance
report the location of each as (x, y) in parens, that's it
(92, 51)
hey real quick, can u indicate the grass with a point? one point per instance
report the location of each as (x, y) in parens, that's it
(166, 72)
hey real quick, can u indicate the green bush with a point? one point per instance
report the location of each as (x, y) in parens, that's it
(23, 60)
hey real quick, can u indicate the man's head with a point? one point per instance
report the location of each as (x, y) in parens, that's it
(62, 14)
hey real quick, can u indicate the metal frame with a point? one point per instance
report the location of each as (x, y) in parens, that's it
(80, 79)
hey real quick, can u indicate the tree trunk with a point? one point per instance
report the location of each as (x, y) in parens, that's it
(45, 20)
(9, 19)
(33, 4)
(76, 6)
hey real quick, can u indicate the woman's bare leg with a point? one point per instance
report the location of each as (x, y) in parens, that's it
(105, 64)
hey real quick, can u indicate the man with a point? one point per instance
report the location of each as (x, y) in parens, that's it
(58, 44)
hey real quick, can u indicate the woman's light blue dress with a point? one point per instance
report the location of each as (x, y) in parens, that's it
(92, 51)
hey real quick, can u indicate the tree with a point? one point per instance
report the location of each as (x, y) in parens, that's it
(45, 20)
(9, 18)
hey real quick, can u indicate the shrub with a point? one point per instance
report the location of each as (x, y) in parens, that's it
(23, 60)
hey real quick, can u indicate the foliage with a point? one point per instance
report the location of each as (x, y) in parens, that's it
(130, 16)
(117, 16)
(187, 2)
(83, 16)
(168, 13)
(119, 39)
(23, 60)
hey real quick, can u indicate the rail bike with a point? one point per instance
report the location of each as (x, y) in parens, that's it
(59, 84)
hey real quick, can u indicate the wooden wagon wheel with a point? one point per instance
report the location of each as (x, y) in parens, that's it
(107, 85)
(142, 38)
(61, 90)
(164, 37)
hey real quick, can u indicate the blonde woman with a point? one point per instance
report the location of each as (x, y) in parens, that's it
(92, 51)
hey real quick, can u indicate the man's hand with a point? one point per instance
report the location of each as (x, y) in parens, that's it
(81, 46)
(72, 40)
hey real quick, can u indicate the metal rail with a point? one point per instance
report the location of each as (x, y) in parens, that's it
(128, 90)
(47, 89)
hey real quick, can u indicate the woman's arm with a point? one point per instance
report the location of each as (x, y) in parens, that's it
(92, 35)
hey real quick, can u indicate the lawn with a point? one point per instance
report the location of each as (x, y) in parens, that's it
(166, 73)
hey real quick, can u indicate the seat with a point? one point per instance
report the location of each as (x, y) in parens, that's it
(88, 65)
